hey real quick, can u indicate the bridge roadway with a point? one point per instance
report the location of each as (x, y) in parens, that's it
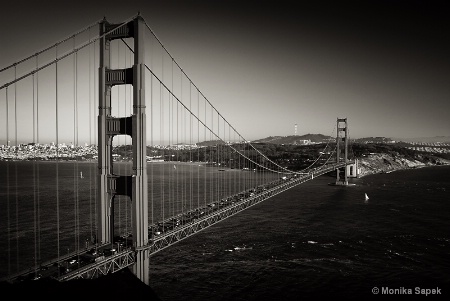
(106, 259)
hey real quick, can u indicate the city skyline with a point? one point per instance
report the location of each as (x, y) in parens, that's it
(269, 67)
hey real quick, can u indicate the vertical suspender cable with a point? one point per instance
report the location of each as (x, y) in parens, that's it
(38, 166)
(191, 195)
(218, 158)
(16, 171)
(226, 159)
(198, 150)
(124, 147)
(74, 145)
(220, 148)
(152, 208)
(90, 140)
(75, 174)
(118, 199)
(240, 164)
(234, 164)
(57, 157)
(228, 163)
(7, 184)
(77, 144)
(151, 165)
(170, 116)
(34, 181)
(211, 194)
(179, 186)
(161, 106)
(184, 196)
(170, 152)
(181, 125)
(182, 140)
(94, 238)
(175, 186)
(205, 147)
(130, 91)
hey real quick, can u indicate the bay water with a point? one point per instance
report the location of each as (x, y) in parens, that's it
(314, 240)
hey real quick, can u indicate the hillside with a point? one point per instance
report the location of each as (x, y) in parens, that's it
(383, 158)
(318, 138)
(437, 139)
(385, 163)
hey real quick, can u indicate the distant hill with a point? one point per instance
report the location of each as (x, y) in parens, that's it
(374, 140)
(425, 139)
(210, 143)
(319, 138)
(295, 139)
(445, 139)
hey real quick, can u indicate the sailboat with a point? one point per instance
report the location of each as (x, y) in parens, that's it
(366, 197)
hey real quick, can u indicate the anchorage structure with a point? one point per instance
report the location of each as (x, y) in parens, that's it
(109, 184)
(342, 149)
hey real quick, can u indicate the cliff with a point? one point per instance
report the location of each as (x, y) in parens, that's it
(384, 163)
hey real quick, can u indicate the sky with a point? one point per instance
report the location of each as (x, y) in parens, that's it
(267, 66)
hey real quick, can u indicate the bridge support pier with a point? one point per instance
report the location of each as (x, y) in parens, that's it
(353, 170)
(134, 186)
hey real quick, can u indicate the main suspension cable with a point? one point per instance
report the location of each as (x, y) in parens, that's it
(66, 54)
(51, 46)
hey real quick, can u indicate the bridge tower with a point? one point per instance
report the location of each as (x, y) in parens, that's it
(342, 149)
(133, 186)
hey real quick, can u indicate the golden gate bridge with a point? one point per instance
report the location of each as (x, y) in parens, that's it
(166, 164)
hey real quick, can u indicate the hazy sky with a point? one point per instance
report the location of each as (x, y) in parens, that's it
(267, 66)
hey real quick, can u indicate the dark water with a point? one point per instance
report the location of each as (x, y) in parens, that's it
(48, 209)
(314, 240)
(317, 240)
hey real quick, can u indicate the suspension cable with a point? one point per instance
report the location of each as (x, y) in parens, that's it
(170, 91)
(66, 54)
(320, 155)
(51, 46)
(181, 69)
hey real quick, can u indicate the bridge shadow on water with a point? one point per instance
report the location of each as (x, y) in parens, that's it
(122, 285)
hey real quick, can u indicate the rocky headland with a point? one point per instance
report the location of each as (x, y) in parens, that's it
(385, 163)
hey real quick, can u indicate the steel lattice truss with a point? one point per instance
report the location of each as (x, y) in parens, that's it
(187, 230)
(106, 266)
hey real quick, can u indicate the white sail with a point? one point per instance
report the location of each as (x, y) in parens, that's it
(366, 196)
